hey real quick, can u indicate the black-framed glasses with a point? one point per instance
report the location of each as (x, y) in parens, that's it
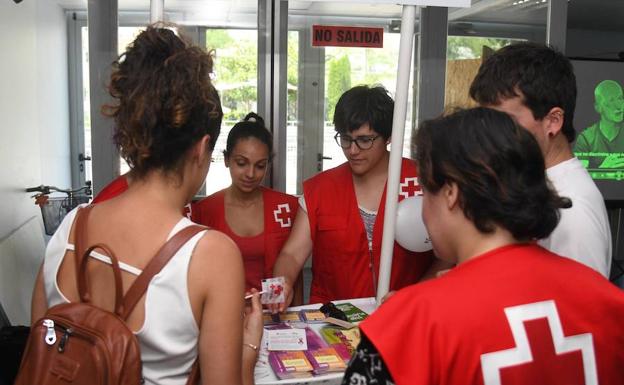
(362, 142)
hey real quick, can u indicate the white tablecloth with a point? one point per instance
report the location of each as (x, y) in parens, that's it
(264, 374)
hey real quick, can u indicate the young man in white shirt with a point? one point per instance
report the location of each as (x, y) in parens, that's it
(536, 86)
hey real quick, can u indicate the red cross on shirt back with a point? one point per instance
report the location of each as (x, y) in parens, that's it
(547, 366)
(542, 353)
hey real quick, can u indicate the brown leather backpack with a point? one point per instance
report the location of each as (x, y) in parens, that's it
(79, 343)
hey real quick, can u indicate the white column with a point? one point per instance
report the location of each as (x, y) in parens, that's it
(102, 16)
(557, 24)
(157, 10)
(396, 152)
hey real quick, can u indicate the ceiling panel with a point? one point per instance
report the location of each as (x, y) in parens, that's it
(582, 14)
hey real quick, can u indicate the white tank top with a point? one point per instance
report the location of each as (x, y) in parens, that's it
(169, 335)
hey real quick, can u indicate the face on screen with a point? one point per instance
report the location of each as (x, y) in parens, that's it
(599, 121)
(610, 101)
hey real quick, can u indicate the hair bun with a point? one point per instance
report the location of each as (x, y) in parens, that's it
(254, 118)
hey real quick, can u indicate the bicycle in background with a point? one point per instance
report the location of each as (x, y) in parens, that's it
(54, 208)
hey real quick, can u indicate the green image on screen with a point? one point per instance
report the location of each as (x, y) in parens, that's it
(600, 146)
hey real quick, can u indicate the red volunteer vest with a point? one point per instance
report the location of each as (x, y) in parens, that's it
(341, 259)
(120, 185)
(279, 215)
(518, 314)
(114, 188)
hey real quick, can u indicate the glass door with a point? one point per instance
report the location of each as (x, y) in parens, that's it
(236, 79)
(326, 72)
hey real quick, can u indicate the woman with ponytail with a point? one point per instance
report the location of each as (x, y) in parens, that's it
(257, 218)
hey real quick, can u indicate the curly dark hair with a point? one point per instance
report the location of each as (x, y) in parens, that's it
(364, 104)
(165, 100)
(251, 127)
(543, 75)
(498, 168)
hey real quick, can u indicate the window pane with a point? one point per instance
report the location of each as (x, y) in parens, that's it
(125, 36)
(291, 101)
(235, 77)
(349, 67)
(464, 56)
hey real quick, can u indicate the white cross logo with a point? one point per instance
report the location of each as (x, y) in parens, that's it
(281, 216)
(409, 187)
(492, 363)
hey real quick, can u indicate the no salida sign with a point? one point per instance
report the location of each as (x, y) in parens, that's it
(343, 36)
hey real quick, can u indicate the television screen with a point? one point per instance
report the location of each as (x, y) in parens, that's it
(599, 122)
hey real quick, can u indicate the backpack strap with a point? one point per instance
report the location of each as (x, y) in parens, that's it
(79, 236)
(166, 252)
(195, 377)
(83, 279)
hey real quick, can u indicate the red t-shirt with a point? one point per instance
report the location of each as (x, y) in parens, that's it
(518, 314)
(252, 250)
(279, 214)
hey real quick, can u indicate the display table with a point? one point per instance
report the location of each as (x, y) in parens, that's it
(264, 373)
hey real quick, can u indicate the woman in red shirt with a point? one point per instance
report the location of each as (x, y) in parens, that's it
(510, 312)
(258, 219)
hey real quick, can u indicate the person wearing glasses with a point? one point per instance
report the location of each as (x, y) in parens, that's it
(340, 219)
(258, 219)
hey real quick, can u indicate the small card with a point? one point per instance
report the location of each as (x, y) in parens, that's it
(293, 364)
(287, 339)
(288, 316)
(325, 360)
(353, 313)
(273, 290)
(339, 322)
(312, 316)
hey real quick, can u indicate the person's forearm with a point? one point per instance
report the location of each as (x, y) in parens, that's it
(288, 267)
(250, 356)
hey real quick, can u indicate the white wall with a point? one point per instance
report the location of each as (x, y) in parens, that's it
(53, 94)
(34, 138)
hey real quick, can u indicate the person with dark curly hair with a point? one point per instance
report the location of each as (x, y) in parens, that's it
(257, 218)
(510, 312)
(536, 85)
(340, 221)
(167, 117)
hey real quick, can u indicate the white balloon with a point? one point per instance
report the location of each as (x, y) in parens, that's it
(410, 230)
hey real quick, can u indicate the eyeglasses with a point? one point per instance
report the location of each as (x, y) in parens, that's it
(362, 142)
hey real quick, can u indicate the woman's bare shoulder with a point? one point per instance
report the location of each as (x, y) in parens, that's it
(216, 248)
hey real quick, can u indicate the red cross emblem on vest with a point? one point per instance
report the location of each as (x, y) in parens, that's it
(542, 353)
(281, 215)
(410, 187)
